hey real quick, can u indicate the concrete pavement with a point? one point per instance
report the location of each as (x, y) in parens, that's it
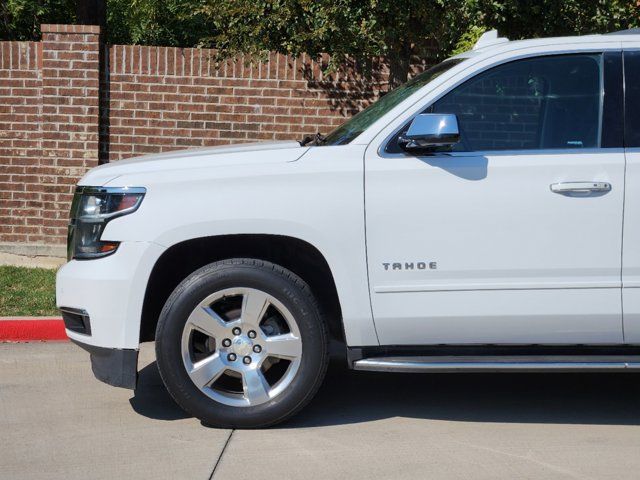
(56, 421)
(31, 261)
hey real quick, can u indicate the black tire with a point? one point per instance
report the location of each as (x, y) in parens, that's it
(276, 281)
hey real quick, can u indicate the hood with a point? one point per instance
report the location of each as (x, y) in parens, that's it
(227, 155)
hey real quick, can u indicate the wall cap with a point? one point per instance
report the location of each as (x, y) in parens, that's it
(60, 28)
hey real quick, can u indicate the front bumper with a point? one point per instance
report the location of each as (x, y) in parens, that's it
(117, 367)
(110, 292)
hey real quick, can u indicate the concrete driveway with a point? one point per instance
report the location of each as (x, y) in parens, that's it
(57, 421)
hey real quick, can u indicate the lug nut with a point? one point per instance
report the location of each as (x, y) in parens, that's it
(236, 331)
(252, 334)
(246, 360)
(226, 342)
(231, 357)
(257, 348)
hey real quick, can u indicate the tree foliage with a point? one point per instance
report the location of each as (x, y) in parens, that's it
(147, 22)
(359, 29)
(21, 19)
(518, 19)
(401, 29)
(157, 22)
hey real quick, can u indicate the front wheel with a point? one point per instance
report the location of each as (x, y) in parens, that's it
(241, 343)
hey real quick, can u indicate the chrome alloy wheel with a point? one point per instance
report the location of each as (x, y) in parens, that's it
(241, 347)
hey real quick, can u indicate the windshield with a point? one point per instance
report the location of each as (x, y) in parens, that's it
(349, 130)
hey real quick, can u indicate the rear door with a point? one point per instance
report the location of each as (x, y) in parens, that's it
(515, 236)
(631, 236)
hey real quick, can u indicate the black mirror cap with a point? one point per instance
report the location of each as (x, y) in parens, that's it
(427, 143)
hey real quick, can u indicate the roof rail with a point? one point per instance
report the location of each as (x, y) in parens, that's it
(629, 31)
(488, 39)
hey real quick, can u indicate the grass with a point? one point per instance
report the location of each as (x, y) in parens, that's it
(27, 292)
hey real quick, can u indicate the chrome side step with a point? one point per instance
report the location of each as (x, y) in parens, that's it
(434, 364)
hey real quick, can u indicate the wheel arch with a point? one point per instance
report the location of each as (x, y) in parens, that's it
(182, 259)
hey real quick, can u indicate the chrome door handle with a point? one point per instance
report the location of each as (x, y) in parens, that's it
(580, 188)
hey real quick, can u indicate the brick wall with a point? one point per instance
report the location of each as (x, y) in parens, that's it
(20, 145)
(69, 103)
(48, 133)
(70, 114)
(166, 98)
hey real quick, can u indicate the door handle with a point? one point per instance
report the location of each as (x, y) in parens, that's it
(580, 188)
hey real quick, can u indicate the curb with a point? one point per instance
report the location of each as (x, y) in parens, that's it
(32, 329)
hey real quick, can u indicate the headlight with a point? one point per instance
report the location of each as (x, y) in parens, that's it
(92, 208)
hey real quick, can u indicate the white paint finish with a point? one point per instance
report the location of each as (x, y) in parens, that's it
(199, 158)
(552, 316)
(489, 39)
(491, 223)
(631, 252)
(318, 199)
(631, 314)
(631, 259)
(111, 290)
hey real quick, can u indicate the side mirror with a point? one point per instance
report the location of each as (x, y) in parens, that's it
(429, 131)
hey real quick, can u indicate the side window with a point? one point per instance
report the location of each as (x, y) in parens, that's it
(551, 102)
(632, 98)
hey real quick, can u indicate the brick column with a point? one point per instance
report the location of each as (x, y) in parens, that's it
(20, 151)
(70, 117)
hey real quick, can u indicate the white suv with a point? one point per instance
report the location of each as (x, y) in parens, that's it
(482, 216)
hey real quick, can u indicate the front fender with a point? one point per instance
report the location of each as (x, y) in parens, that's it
(318, 199)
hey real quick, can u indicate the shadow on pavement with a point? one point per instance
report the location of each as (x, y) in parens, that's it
(151, 399)
(348, 397)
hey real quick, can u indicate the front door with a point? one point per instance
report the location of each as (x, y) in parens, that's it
(513, 237)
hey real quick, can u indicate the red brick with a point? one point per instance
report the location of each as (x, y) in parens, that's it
(160, 99)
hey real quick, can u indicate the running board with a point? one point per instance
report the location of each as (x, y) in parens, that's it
(434, 364)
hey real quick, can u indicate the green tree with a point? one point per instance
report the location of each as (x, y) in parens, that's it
(359, 29)
(400, 29)
(518, 19)
(21, 19)
(150, 22)
(156, 22)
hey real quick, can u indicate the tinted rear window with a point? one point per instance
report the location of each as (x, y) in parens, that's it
(632, 98)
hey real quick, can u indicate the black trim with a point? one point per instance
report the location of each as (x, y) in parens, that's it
(75, 219)
(76, 320)
(632, 98)
(613, 104)
(358, 353)
(113, 366)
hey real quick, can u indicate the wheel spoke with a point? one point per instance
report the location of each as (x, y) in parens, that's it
(255, 386)
(209, 322)
(241, 348)
(285, 346)
(254, 306)
(207, 371)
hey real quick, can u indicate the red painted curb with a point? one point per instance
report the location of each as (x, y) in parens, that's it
(29, 330)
